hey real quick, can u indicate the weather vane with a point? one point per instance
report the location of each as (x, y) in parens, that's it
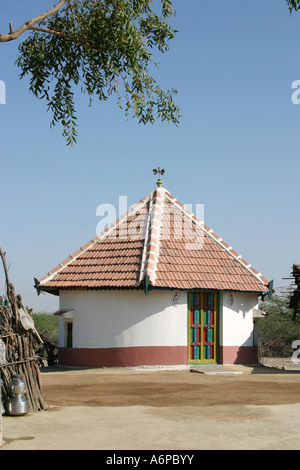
(160, 172)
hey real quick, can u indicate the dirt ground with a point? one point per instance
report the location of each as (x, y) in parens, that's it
(151, 409)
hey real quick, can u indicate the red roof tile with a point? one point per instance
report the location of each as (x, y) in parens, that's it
(159, 238)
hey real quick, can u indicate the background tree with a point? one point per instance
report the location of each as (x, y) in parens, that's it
(104, 47)
(293, 4)
(277, 330)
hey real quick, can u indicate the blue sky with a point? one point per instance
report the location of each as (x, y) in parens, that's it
(236, 150)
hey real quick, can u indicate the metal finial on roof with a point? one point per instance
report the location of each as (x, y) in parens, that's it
(160, 172)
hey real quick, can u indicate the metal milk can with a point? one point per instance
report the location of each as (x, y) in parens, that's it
(17, 405)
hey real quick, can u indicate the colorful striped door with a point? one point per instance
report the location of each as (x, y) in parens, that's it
(202, 326)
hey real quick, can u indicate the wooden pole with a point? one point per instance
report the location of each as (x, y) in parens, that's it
(19, 346)
(1, 440)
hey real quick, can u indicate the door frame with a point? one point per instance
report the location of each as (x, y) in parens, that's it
(216, 358)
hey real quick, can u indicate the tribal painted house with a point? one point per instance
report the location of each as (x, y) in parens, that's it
(157, 287)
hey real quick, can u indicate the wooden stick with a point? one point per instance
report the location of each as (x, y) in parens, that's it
(20, 344)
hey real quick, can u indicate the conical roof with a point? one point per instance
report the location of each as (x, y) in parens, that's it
(160, 243)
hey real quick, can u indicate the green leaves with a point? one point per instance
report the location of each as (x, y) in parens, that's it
(293, 4)
(277, 330)
(104, 47)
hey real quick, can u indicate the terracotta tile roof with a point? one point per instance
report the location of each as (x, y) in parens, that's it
(160, 239)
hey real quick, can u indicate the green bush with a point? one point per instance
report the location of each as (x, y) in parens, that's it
(277, 331)
(47, 325)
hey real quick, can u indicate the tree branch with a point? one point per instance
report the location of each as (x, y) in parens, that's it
(62, 34)
(29, 24)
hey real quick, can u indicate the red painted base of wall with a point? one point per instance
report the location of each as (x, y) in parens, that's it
(238, 355)
(149, 356)
(123, 357)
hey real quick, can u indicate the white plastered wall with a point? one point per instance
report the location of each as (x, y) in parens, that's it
(236, 325)
(112, 319)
